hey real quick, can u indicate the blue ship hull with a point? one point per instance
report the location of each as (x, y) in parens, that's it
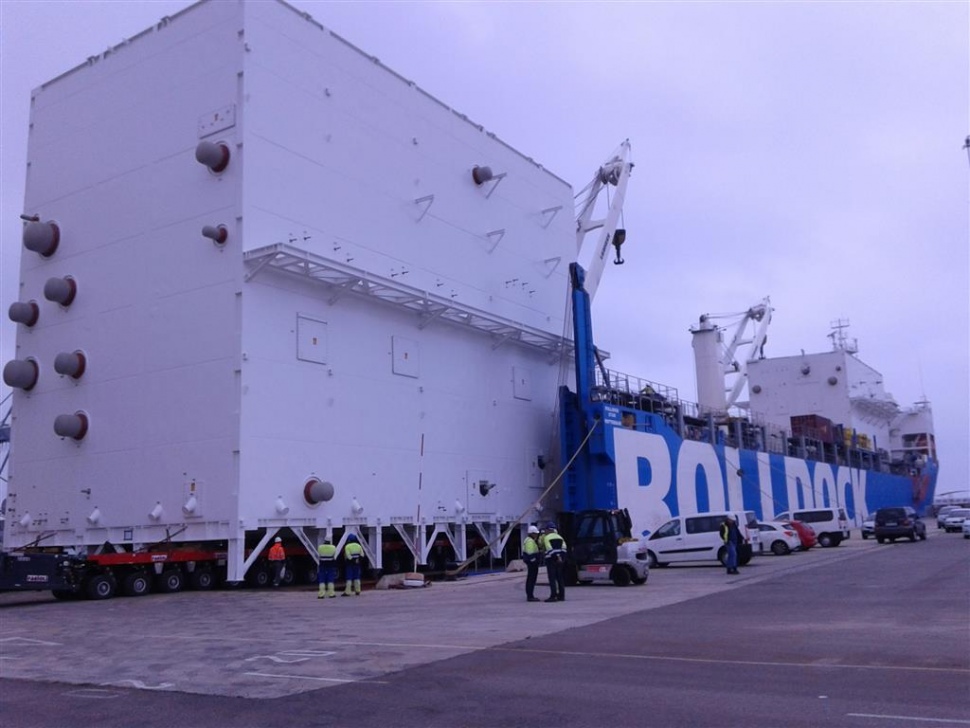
(638, 461)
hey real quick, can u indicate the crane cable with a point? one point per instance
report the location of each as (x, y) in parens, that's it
(481, 551)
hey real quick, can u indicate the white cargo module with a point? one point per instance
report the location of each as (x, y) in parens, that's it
(280, 289)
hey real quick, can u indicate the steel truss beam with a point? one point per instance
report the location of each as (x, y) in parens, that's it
(343, 279)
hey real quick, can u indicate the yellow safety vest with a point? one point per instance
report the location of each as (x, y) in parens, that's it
(353, 551)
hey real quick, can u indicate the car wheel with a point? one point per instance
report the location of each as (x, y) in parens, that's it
(825, 541)
(780, 548)
(912, 536)
(880, 539)
(620, 576)
(643, 579)
(652, 560)
(922, 536)
(864, 535)
(722, 556)
(136, 585)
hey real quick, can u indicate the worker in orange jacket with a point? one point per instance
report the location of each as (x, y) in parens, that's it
(276, 557)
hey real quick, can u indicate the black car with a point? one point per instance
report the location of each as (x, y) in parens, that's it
(897, 522)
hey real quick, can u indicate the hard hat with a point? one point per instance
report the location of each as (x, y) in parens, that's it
(551, 526)
(533, 529)
(278, 540)
(352, 538)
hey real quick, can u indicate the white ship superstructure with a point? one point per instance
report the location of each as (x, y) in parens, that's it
(840, 387)
(278, 285)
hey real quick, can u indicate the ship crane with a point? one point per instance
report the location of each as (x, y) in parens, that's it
(614, 173)
(721, 369)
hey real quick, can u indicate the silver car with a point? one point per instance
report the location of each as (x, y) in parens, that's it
(942, 513)
(953, 521)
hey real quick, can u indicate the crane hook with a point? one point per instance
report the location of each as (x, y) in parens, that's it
(619, 237)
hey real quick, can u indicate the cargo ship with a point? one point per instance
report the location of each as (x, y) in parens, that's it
(818, 431)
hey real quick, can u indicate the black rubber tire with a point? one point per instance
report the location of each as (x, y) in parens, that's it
(780, 548)
(259, 577)
(202, 579)
(99, 586)
(912, 536)
(639, 580)
(620, 576)
(289, 575)
(922, 536)
(864, 535)
(652, 560)
(880, 539)
(170, 581)
(136, 584)
(722, 555)
(826, 541)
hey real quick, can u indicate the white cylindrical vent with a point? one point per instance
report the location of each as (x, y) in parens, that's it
(74, 426)
(317, 491)
(42, 237)
(156, 512)
(711, 392)
(95, 516)
(70, 364)
(356, 507)
(24, 520)
(21, 373)
(60, 290)
(191, 504)
(218, 234)
(281, 506)
(212, 155)
(481, 175)
(24, 313)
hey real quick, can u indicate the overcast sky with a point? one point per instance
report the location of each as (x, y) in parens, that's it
(806, 151)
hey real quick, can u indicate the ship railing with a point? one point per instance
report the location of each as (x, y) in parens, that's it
(635, 387)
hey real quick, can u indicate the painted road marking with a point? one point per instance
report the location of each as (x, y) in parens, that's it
(140, 685)
(310, 677)
(301, 655)
(93, 693)
(28, 641)
(274, 658)
(908, 717)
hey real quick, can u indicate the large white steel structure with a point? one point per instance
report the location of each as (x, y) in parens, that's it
(306, 295)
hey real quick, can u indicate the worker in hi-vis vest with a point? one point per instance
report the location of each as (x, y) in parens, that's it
(555, 550)
(327, 570)
(531, 557)
(276, 557)
(353, 555)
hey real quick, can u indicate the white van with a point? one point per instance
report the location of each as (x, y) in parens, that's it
(697, 537)
(830, 524)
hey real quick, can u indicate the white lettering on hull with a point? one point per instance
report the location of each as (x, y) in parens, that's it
(645, 468)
